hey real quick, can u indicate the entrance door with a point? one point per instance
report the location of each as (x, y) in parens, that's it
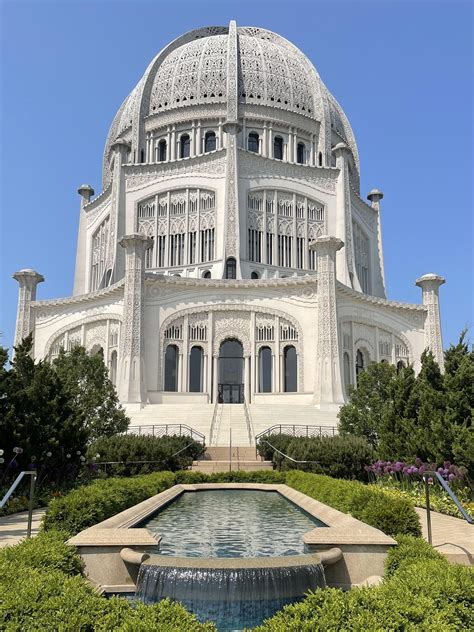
(231, 363)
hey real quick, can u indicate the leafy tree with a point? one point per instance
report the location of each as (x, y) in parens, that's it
(38, 416)
(86, 380)
(363, 414)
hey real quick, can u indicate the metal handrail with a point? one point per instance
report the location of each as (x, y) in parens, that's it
(15, 484)
(248, 419)
(286, 455)
(451, 494)
(309, 431)
(213, 422)
(164, 430)
(140, 462)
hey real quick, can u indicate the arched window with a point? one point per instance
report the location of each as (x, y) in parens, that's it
(253, 142)
(231, 268)
(289, 369)
(278, 147)
(347, 372)
(210, 141)
(162, 151)
(206, 274)
(300, 151)
(360, 363)
(231, 363)
(195, 370)
(265, 370)
(113, 367)
(320, 159)
(97, 350)
(254, 275)
(142, 155)
(184, 146)
(171, 368)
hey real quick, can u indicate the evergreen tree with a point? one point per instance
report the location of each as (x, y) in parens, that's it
(363, 414)
(86, 380)
(398, 418)
(459, 382)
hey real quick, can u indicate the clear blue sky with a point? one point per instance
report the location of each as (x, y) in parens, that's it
(401, 70)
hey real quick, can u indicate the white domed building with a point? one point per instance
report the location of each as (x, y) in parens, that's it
(230, 272)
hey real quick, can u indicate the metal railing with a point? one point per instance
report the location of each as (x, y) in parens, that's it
(451, 494)
(296, 430)
(213, 423)
(248, 420)
(168, 430)
(286, 456)
(15, 484)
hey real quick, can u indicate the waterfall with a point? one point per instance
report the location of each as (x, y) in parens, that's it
(233, 598)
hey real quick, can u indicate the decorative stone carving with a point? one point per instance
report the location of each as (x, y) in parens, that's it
(28, 282)
(328, 388)
(430, 284)
(132, 384)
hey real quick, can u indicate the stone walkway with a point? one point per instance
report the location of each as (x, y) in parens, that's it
(13, 527)
(453, 537)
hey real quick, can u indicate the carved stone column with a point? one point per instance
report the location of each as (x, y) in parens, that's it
(429, 284)
(81, 272)
(345, 259)
(375, 196)
(132, 383)
(328, 387)
(28, 281)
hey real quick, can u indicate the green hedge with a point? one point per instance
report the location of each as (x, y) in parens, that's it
(41, 589)
(380, 508)
(102, 499)
(422, 591)
(338, 456)
(144, 448)
(88, 505)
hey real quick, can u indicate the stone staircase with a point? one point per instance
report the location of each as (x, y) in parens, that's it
(230, 426)
(199, 416)
(264, 416)
(235, 459)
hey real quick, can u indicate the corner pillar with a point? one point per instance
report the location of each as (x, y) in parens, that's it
(430, 284)
(343, 231)
(328, 387)
(25, 321)
(132, 385)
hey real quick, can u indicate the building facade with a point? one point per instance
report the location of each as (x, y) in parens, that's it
(230, 258)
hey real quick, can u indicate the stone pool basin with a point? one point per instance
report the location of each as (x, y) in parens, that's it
(114, 549)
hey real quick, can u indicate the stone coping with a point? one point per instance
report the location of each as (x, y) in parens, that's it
(233, 562)
(340, 528)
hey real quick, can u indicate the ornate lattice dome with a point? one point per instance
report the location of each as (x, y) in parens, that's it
(193, 70)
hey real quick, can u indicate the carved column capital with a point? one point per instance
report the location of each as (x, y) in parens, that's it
(430, 284)
(28, 281)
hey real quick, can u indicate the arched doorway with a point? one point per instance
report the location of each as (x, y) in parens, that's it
(265, 370)
(195, 370)
(171, 368)
(290, 366)
(231, 369)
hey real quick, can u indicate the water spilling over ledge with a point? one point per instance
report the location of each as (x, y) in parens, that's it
(233, 593)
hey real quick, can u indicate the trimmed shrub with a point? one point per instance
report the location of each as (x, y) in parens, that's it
(144, 448)
(88, 505)
(422, 592)
(47, 551)
(379, 508)
(338, 456)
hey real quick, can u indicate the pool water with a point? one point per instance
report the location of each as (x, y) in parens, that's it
(231, 523)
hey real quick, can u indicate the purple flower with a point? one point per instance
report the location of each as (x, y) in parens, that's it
(451, 477)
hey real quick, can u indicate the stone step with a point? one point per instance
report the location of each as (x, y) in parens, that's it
(220, 453)
(208, 467)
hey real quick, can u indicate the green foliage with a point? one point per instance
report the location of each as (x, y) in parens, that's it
(422, 591)
(144, 448)
(88, 505)
(339, 456)
(428, 416)
(363, 414)
(47, 551)
(38, 416)
(379, 508)
(41, 589)
(86, 381)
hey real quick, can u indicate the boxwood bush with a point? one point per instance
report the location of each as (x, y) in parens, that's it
(131, 447)
(380, 508)
(338, 456)
(422, 591)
